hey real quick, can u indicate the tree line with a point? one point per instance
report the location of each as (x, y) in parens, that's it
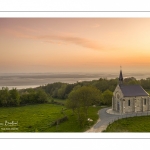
(62, 91)
(14, 97)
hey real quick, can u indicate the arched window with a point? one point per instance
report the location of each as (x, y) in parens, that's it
(129, 102)
(145, 101)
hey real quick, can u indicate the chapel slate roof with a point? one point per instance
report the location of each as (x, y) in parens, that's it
(133, 90)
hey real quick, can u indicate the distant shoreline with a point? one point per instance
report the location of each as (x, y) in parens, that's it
(22, 81)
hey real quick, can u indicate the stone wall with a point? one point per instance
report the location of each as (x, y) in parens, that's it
(126, 107)
(136, 104)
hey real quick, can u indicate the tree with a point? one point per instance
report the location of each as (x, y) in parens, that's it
(24, 98)
(72, 103)
(14, 97)
(102, 84)
(68, 89)
(80, 99)
(34, 96)
(130, 81)
(41, 96)
(61, 91)
(4, 96)
(107, 97)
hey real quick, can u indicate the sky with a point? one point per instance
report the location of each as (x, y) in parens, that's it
(41, 45)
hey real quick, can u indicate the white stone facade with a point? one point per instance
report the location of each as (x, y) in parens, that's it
(124, 104)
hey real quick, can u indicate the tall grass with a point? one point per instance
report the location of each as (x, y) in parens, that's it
(39, 117)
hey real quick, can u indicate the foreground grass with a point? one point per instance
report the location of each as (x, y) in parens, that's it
(38, 118)
(133, 124)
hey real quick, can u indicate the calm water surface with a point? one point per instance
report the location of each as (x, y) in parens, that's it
(21, 81)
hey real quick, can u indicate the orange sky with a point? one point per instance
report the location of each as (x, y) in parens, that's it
(74, 45)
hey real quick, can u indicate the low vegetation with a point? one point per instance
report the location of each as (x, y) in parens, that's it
(133, 124)
(41, 117)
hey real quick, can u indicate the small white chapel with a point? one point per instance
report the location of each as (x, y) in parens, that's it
(129, 98)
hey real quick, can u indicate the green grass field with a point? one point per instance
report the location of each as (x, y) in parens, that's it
(38, 118)
(59, 100)
(133, 124)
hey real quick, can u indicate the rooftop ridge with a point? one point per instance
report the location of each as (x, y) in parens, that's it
(133, 90)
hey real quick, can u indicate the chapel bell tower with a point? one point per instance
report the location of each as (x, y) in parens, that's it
(120, 76)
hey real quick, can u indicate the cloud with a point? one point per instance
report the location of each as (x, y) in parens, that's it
(57, 39)
(73, 40)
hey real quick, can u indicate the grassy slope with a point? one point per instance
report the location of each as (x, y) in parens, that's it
(133, 124)
(37, 118)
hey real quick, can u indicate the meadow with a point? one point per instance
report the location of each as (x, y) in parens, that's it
(132, 124)
(39, 118)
